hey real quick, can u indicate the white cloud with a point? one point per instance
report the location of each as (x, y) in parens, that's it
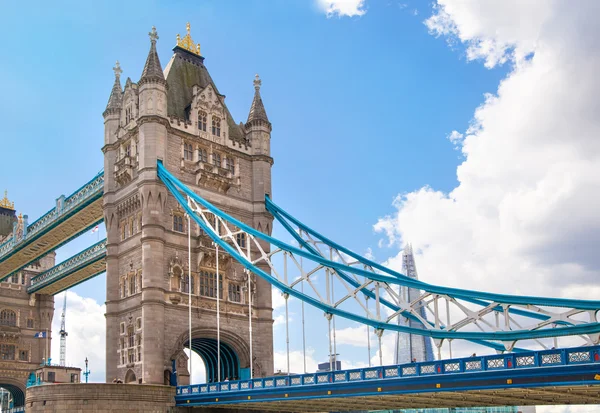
(342, 8)
(86, 327)
(456, 138)
(522, 219)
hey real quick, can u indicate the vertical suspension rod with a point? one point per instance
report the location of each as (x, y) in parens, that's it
(190, 289)
(250, 305)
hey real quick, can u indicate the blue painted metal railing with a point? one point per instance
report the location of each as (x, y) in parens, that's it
(532, 360)
(82, 259)
(84, 195)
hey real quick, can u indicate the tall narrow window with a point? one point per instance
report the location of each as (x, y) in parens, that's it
(130, 337)
(185, 284)
(241, 240)
(202, 121)
(128, 150)
(193, 285)
(188, 152)
(23, 355)
(177, 223)
(216, 126)
(8, 318)
(217, 159)
(235, 294)
(130, 226)
(202, 155)
(132, 284)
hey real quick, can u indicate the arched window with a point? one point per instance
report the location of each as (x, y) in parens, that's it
(217, 159)
(8, 318)
(202, 121)
(202, 155)
(188, 152)
(216, 126)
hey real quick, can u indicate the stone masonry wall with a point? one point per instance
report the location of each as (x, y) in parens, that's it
(96, 397)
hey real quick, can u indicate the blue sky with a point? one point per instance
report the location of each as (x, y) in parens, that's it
(361, 106)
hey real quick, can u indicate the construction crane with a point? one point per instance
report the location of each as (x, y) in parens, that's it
(63, 333)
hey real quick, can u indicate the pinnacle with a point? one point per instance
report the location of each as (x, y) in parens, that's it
(257, 110)
(116, 99)
(152, 68)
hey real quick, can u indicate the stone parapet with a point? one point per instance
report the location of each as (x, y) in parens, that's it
(100, 398)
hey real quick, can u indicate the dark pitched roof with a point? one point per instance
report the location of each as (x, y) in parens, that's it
(185, 70)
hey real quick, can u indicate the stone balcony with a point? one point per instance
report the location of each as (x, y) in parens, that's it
(124, 169)
(214, 177)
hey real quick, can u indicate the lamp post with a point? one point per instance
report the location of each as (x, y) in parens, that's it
(86, 373)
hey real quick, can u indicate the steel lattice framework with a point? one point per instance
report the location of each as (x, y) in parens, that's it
(495, 320)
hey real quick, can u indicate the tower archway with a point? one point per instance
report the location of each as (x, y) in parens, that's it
(234, 354)
(16, 390)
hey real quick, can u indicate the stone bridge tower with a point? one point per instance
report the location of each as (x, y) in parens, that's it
(179, 117)
(22, 316)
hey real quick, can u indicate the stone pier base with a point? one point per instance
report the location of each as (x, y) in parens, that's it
(100, 398)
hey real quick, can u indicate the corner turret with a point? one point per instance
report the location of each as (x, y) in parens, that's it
(258, 127)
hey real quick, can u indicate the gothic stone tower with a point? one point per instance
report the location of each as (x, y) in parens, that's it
(21, 315)
(179, 117)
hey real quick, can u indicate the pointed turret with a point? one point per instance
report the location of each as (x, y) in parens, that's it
(257, 110)
(152, 70)
(115, 101)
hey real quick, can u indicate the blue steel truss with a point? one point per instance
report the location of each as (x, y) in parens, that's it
(517, 370)
(551, 317)
(66, 207)
(70, 266)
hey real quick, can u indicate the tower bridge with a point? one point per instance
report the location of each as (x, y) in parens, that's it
(185, 196)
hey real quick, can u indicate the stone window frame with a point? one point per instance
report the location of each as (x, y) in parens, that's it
(122, 328)
(188, 151)
(23, 355)
(240, 238)
(138, 323)
(230, 164)
(30, 323)
(179, 222)
(234, 290)
(202, 154)
(202, 120)
(216, 125)
(208, 283)
(7, 351)
(216, 159)
(8, 317)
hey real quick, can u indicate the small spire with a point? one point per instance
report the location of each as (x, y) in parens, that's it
(152, 68)
(5, 203)
(257, 110)
(115, 100)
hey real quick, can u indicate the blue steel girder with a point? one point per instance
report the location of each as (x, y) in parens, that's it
(559, 376)
(539, 317)
(71, 216)
(80, 267)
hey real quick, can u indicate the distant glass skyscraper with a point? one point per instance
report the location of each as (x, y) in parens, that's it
(411, 346)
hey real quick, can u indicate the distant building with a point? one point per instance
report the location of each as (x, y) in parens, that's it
(411, 347)
(322, 367)
(57, 374)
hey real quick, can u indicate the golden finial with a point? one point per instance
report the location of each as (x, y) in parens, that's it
(20, 217)
(5, 203)
(187, 43)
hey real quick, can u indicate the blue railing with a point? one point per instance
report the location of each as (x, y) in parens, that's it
(533, 359)
(91, 190)
(82, 259)
(20, 409)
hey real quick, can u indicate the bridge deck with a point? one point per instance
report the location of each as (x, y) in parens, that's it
(80, 267)
(72, 216)
(563, 376)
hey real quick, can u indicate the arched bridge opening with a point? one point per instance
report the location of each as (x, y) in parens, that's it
(206, 348)
(17, 395)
